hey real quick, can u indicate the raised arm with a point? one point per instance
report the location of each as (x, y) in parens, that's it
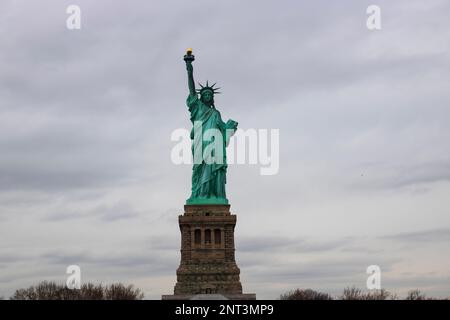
(189, 58)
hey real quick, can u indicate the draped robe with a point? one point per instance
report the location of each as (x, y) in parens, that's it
(208, 179)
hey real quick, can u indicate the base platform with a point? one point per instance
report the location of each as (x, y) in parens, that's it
(208, 267)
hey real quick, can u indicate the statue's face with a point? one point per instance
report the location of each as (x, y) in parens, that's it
(207, 96)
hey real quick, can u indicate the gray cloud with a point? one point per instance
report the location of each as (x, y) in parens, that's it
(427, 236)
(119, 211)
(110, 260)
(285, 244)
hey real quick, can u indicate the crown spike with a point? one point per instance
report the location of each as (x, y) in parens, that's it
(208, 87)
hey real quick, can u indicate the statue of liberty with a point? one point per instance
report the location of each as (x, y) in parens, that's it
(210, 137)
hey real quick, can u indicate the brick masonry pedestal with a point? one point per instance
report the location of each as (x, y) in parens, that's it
(207, 262)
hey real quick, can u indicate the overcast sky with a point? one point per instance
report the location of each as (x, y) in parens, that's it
(86, 116)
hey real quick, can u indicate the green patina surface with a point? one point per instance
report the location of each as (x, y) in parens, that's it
(208, 177)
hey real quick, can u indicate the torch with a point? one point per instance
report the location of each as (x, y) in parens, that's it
(189, 56)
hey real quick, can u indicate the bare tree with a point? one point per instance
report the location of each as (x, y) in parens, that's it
(415, 295)
(305, 294)
(352, 293)
(51, 291)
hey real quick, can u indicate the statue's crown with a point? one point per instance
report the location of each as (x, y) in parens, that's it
(207, 87)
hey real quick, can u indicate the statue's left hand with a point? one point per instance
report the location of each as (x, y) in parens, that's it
(231, 124)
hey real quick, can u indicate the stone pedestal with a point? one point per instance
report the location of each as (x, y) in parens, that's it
(207, 262)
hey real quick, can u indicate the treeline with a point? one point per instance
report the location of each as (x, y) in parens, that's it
(52, 291)
(352, 293)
